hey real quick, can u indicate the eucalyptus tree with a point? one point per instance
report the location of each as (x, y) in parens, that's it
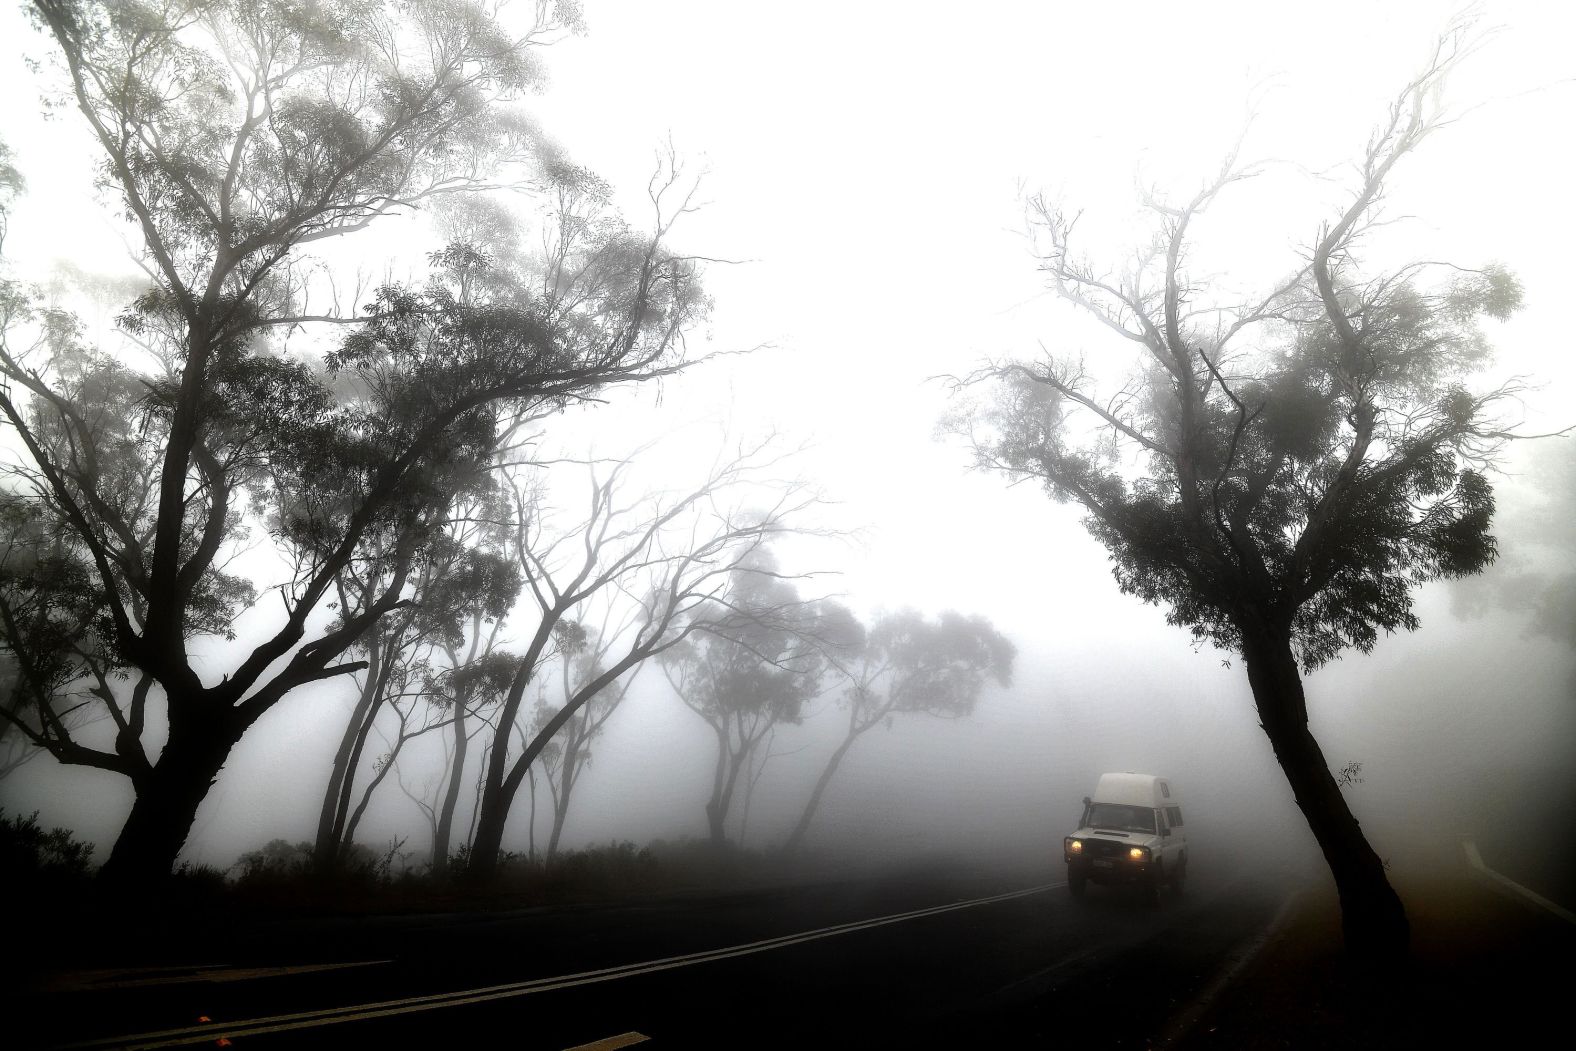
(907, 665)
(671, 556)
(474, 585)
(754, 669)
(1281, 497)
(582, 655)
(233, 136)
(456, 589)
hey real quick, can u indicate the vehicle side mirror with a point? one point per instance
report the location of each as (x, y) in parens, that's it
(1165, 832)
(1086, 801)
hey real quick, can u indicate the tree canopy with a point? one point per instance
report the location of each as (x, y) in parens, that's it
(1281, 474)
(232, 136)
(906, 664)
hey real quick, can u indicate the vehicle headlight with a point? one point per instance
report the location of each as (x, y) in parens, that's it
(1075, 846)
(1138, 853)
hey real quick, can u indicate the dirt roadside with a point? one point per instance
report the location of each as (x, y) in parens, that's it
(1485, 970)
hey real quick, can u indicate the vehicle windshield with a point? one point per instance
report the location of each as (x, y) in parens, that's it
(1120, 817)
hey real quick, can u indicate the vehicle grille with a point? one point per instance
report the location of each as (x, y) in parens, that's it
(1104, 848)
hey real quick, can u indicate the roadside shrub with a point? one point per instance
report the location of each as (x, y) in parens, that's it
(277, 859)
(29, 853)
(599, 871)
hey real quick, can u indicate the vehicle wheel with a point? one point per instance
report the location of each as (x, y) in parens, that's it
(1075, 884)
(1180, 876)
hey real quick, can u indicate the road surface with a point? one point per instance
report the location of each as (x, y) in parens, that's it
(941, 957)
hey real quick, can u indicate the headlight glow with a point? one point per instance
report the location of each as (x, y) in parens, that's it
(1075, 846)
(1137, 853)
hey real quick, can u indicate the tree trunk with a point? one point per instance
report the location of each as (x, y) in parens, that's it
(567, 776)
(487, 847)
(347, 837)
(530, 832)
(167, 797)
(444, 828)
(336, 797)
(718, 776)
(715, 815)
(722, 796)
(796, 838)
(501, 786)
(560, 809)
(498, 792)
(1373, 920)
(752, 774)
(488, 842)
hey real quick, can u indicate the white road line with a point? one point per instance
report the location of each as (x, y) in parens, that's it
(409, 1005)
(1509, 887)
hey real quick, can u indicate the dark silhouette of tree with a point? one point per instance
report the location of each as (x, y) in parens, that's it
(468, 690)
(751, 671)
(233, 134)
(545, 769)
(457, 588)
(672, 558)
(907, 665)
(582, 658)
(1281, 500)
(53, 677)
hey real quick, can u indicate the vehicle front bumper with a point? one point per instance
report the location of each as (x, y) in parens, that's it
(1108, 870)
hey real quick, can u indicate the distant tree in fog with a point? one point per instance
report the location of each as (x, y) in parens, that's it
(670, 556)
(1538, 579)
(1281, 499)
(582, 658)
(752, 670)
(231, 135)
(907, 665)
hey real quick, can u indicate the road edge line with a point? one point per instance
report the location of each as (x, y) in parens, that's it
(1247, 951)
(1509, 887)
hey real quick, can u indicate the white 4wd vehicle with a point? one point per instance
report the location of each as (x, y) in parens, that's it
(1131, 832)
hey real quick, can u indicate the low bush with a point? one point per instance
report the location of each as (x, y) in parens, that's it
(30, 854)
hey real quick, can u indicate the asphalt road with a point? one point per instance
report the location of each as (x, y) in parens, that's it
(941, 957)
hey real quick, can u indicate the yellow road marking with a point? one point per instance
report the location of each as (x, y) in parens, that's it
(612, 1043)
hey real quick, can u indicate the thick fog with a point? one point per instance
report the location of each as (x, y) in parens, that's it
(865, 172)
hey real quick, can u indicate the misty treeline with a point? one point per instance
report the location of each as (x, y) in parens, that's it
(1279, 473)
(200, 517)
